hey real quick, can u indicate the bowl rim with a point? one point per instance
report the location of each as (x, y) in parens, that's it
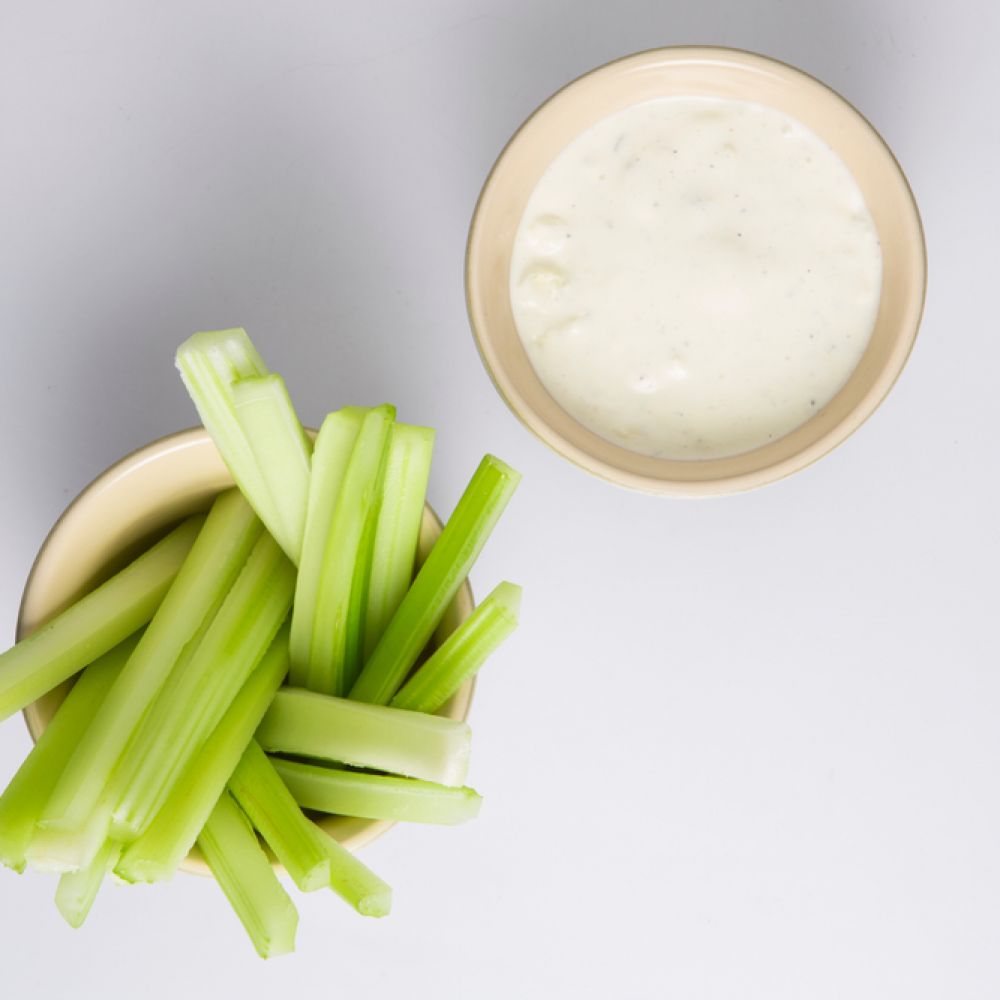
(724, 485)
(353, 832)
(71, 511)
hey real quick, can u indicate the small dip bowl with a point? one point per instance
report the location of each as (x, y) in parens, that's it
(709, 72)
(121, 513)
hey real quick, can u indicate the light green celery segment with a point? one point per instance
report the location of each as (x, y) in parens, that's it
(312, 858)
(209, 571)
(94, 624)
(331, 454)
(353, 881)
(282, 451)
(462, 653)
(24, 799)
(56, 850)
(245, 875)
(404, 491)
(196, 697)
(376, 796)
(308, 724)
(209, 364)
(77, 890)
(158, 852)
(437, 581)
(333, 658)
(270, 807)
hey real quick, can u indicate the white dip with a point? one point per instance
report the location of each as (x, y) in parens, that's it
(695, 277)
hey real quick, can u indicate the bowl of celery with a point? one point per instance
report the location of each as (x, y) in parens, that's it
(249, 648)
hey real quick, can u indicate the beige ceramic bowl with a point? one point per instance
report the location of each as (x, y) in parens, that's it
(713, 72)
(117, 515)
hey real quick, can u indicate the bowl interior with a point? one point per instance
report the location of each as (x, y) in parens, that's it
(708, 72)
(124, 510)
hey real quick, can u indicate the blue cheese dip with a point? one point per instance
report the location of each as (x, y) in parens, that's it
(695, 277)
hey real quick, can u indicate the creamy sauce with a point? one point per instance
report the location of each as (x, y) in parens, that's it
(695, 277)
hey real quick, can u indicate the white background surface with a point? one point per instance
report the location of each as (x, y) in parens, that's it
(739, 749)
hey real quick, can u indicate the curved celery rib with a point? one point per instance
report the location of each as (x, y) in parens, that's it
(404, 491)
(353, 881)
(77, 890)
(384, 739)
(54, 850)
(376, 796)
(158, 852)
(216, 558)
(270, 807)
(212, 364)
(335, 653)
(311, 857)
(246, 877)
(462, 653)
(282, 451)
(437, 581)
(24, 799)
(331, 454)
(209, 363)
(94, 624)
(196, 697)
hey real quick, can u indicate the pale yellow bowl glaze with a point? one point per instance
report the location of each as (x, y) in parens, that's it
(117, 515)
(712, 72)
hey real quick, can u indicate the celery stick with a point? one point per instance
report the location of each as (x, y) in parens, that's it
(159, 851)
(77, 890)
(22, 803)
(209, 364)
(384, 739)
(281, 449)
(216, 558)
(355, 883)
(462, 653)
(56, 850)
(334, 659)
(195, 698)
(270, 807)
(404, 491)
(376, 796)
(245, 875)
(312, 858)
(437, 581)
(94, 624)
(330, 457)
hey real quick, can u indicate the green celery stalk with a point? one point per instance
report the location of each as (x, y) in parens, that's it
(158, 852)
(385, 739)
(77, 890)
(206, 577)
(404, 491)
(312, 858)
(437, 581)
(24, 799)
(462, 653)
(353, 881)
(270, 807)
(94, 624)
(209, 364)
(335, 653)
(331, 454)
(376, 796)
(55, 850)
(282, 451)
(195, 698)
(245, 875)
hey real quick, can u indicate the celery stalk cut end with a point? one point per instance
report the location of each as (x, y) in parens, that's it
(378, 904)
